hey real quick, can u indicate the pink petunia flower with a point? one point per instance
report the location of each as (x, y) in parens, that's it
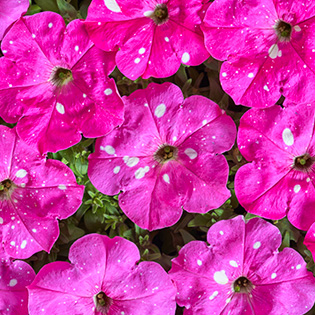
(153, 37)
(34, 192)
(10, 11)
(103, 278)
(166, 155)
(14, 277)
(56, 84)
(269, 46)
(280, 143)
(242, 272)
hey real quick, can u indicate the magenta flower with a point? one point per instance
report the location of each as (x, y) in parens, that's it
(56, 84)
(14, 277)
(166, 155)
(104, 278)
(153, 37)
(280, 180)
(242, 272)
(10, 11)
(34, 192)
(269, 46)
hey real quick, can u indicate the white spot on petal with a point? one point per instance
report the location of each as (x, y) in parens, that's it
(273, 51)
(257, 245)
(266, 88)
(23, 244)
(112, 5)
(166, 178)
(287, 137)
(108, 149)
(50, 25)
(60, 108)
(185, 57)
(174, 138)
(273, 275)
(251, 75)
(191, 153)
(21, 173)
(166, 39)
(62, 187)
(160, 110)
(108, 92)
(142, 51)
(298, 267)
(221, 232)
(76, 48)
(131, 161)
(13, 282)
(199, 262)
(297, 188)
(137, 60)
(116, 170)
(224, 74)
(204, 122)
(213, 295)
(233, 263)
(1, 220)
(220, 277)
(297, 28)
(140, 172)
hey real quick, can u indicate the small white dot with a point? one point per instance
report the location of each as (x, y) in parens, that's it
(108, 91)
(251, 75)
(76, 48)
(23, 244)
(116, 169)
(33, 35)
(60, 108)
(62, 187)
(137, 60)
(141, 51)
(298, 267)
(185, 57)
(50, 25)
(108, 149)
(224, 74)
(166, 178)
(257, 245)
(273, 275)
(166, 39)
(199, 262)
(297, 188)
(13, 282)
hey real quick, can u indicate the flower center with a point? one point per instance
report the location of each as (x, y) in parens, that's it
(160, 14)
(303, 162)
(6, 188)
(103, 302)
(242, 285)
(165, 153)
(283, 30)
(61, 76)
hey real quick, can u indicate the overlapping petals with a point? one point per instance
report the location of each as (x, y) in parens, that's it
(154, 37)
(242, 272)
(156, 182)
(269, 47)
(103, 278)
(280, 180)
(56, 84)
(34, 193)
(10, 11)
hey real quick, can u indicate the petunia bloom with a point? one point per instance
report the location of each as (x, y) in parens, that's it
(34, 192)
(269, 47)
(167, 154)
(14, 277)
(56, 84)
(280, 143)
(103, 278)
(10, 11)
(153, 37)
(242, 272)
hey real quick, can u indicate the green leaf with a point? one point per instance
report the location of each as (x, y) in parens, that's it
(67, 11)
(48, 5)
(33, 9)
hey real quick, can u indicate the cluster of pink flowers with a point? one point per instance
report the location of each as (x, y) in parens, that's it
(163, 153)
